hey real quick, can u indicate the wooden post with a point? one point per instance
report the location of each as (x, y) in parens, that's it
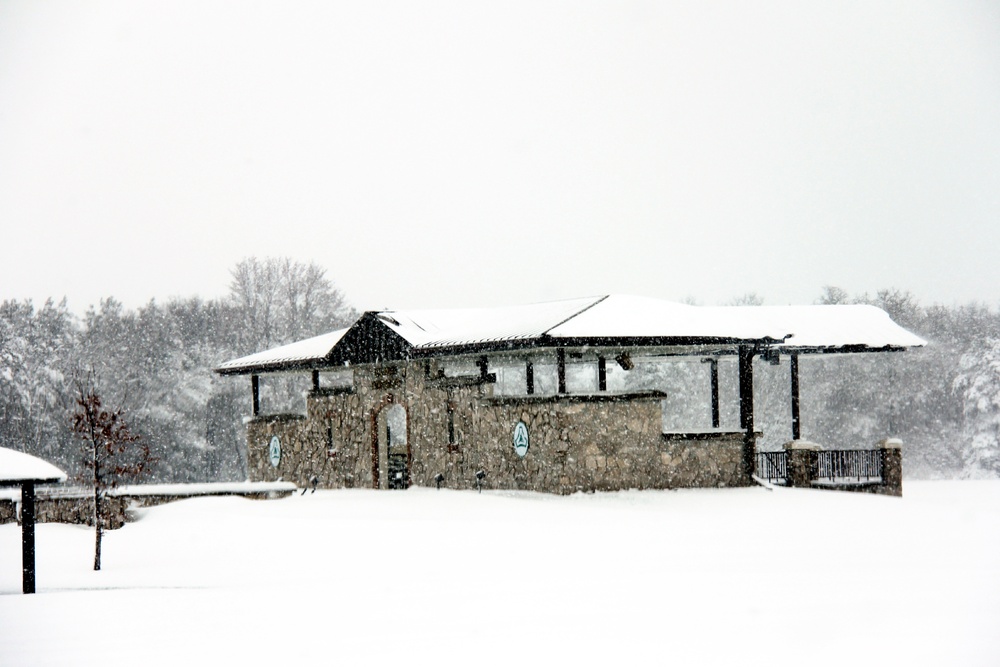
(255, 390)
(28, 537)
(315, 378)
(561, 362)
(529, 377)
(602, 374)
(746, 354)
(715, 389)
(796, 423)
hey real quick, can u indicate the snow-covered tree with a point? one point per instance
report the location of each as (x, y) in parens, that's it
(979, 386)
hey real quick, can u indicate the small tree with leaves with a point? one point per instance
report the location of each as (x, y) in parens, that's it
(113, 454)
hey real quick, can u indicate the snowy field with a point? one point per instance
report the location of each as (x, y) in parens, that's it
(427, 577)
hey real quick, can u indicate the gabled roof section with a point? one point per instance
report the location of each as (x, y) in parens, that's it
(369, 341)
(613, 320)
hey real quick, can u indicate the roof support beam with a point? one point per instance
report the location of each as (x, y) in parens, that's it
(796, 422)
(255, 391)
(561, 369)
(746, 355)
(714, 380)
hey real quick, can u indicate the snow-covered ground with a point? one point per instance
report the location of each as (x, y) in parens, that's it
(740, 576)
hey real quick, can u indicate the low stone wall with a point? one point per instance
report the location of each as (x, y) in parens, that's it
(704, 460)
(76, 505)
(65, 508)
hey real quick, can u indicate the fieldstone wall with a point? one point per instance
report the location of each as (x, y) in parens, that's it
(61, 504)
(457, 427)
(703, 460)
(69, 509)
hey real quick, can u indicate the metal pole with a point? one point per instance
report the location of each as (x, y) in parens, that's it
(715, 392)
(561, 369)
(746, 354)
(255, 389)
(796, 423)
(28, 537)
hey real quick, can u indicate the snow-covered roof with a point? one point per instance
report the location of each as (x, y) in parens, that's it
(310, 349)
(17, 467)
(630, 320)
(634, 317)
(465, 326)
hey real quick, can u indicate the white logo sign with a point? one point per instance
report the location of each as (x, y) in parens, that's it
(521, 439)
(275, 451)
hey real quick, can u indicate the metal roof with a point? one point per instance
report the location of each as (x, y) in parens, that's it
(303, 351)
(606, 320)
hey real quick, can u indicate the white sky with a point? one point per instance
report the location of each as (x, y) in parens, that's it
(456, 153)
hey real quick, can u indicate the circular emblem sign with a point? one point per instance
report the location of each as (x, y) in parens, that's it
(521, 439)
(275, 451)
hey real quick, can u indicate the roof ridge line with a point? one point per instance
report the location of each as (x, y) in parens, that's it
(576, 314)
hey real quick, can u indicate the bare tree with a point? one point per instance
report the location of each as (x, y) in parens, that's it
(281, 300)
(747, 299)
(113, 453)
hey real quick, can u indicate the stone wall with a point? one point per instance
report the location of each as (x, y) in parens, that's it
(704, 460)
(456, 427)
(76, 505)
(76, 509)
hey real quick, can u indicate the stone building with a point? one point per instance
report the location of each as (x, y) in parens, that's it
(530, 397)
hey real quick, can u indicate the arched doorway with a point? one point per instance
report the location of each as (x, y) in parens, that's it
(390, 447)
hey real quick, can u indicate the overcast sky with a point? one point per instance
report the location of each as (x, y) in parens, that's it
(433, 154)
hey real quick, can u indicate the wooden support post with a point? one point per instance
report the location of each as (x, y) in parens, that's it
(602, 374)
(315, 377)
(28, 537)
(255, 390)
(796, 423)
(561, 362)
(529, 378)
(715, 389)
(746, 355)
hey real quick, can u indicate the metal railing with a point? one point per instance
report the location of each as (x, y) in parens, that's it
(772, 466)
(850, 465)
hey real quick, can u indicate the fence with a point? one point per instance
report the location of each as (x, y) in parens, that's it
(850, 465)
(772, 466)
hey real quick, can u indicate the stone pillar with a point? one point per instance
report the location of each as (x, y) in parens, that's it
(802, 462)
(892, 466)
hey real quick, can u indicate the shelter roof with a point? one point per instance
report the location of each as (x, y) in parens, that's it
(600, 320)
(17, 467)
(310, 349)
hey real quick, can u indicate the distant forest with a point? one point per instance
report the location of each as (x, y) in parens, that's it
(156, 363)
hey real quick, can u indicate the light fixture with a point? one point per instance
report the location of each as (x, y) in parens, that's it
(625, 361)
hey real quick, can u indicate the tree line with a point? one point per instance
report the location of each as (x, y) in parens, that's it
(155, 362)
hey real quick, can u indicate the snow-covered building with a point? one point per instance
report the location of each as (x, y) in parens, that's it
(532, 397)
